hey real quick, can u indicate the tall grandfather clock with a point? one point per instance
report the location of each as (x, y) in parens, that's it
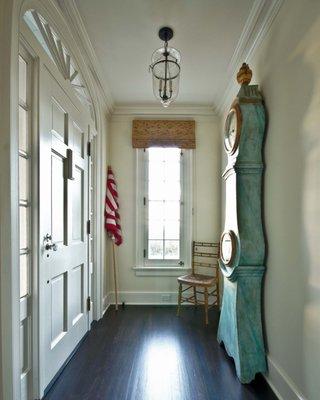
(242, 244)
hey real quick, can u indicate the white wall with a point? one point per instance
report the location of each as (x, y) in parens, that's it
(105, 245)
(287, 68)
(206, 202)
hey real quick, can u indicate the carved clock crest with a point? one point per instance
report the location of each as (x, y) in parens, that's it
(242, 245)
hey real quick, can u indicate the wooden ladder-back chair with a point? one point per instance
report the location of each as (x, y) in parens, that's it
(205, 257)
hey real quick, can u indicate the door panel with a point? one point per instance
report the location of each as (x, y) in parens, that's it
(77, 205)
(63, 275)
(59, 121)
(58, 213)
(76, 287)
(58, 309)
(78, 137)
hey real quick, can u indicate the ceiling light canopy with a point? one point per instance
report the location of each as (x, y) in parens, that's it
(165, 68)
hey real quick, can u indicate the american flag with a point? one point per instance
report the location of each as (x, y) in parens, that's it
(112, 217)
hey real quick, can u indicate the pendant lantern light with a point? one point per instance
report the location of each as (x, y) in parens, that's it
(165, 68)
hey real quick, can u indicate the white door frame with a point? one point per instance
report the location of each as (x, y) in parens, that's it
(10, 17)
(9, 268)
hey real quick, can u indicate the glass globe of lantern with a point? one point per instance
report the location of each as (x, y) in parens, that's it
(166, 74)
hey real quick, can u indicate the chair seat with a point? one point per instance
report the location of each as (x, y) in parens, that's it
(197, 280)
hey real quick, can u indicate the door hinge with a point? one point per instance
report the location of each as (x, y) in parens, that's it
(88, 227)
(144, 253)
(89, 303)
(89, 149)
(144, 201)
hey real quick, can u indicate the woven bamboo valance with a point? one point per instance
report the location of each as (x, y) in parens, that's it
(163, 133)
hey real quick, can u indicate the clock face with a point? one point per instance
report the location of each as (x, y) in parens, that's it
(227, 247)
(232, 130)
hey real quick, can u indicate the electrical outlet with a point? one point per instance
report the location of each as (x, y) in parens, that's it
(166, 297)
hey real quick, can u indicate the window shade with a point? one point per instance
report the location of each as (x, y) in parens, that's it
(163, 133)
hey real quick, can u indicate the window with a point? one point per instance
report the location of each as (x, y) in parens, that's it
(25, 73)
(163, 204)
(164, 207)
(24, 170)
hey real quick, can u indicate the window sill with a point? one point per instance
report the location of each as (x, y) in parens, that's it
(161, 271)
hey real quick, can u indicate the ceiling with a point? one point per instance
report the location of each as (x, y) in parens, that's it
(124, 33)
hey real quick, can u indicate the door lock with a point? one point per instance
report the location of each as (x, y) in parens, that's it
(51, 246)
(48, 245)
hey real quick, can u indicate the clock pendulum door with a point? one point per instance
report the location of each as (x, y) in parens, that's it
(242, 244)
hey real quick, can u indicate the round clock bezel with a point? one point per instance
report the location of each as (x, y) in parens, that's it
(235, 109)
(233, 238)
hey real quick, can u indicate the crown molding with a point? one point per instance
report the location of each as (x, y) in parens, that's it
(261, 17)
(73, 17)
(259, 21)
(157, 109)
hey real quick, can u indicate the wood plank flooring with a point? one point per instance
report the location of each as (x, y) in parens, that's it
(147, 353)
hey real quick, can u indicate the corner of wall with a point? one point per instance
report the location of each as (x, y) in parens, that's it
(282, 386)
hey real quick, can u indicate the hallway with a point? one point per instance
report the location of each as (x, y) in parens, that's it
(158, 154)
(147, 353)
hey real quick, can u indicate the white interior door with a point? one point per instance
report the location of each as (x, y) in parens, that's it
(63, 205)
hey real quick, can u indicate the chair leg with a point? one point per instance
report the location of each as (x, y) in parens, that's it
(195, 295)
(206, 303)
(179, 299)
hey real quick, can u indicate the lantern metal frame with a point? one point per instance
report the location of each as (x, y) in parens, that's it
(166, 82)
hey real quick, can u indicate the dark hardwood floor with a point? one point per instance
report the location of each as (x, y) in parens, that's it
(147, 353)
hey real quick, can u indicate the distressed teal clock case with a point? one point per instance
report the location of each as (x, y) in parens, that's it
(243, 244)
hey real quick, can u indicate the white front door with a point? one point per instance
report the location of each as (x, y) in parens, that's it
(63, 215)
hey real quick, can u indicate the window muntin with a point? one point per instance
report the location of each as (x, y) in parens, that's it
(24, 171)
(163, 204)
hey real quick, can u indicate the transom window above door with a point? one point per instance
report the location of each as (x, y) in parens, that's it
(60, 55)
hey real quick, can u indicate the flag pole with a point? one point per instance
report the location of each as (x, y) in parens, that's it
(115, 275)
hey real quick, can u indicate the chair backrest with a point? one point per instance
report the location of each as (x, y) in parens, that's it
(205, 258)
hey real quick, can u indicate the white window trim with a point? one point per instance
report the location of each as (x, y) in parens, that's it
(153, 268)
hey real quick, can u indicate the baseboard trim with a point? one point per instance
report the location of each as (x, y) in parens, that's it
(145, 298)
(282, 386)
(105, 303)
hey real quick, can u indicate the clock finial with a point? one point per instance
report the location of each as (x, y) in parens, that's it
(244, 75)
